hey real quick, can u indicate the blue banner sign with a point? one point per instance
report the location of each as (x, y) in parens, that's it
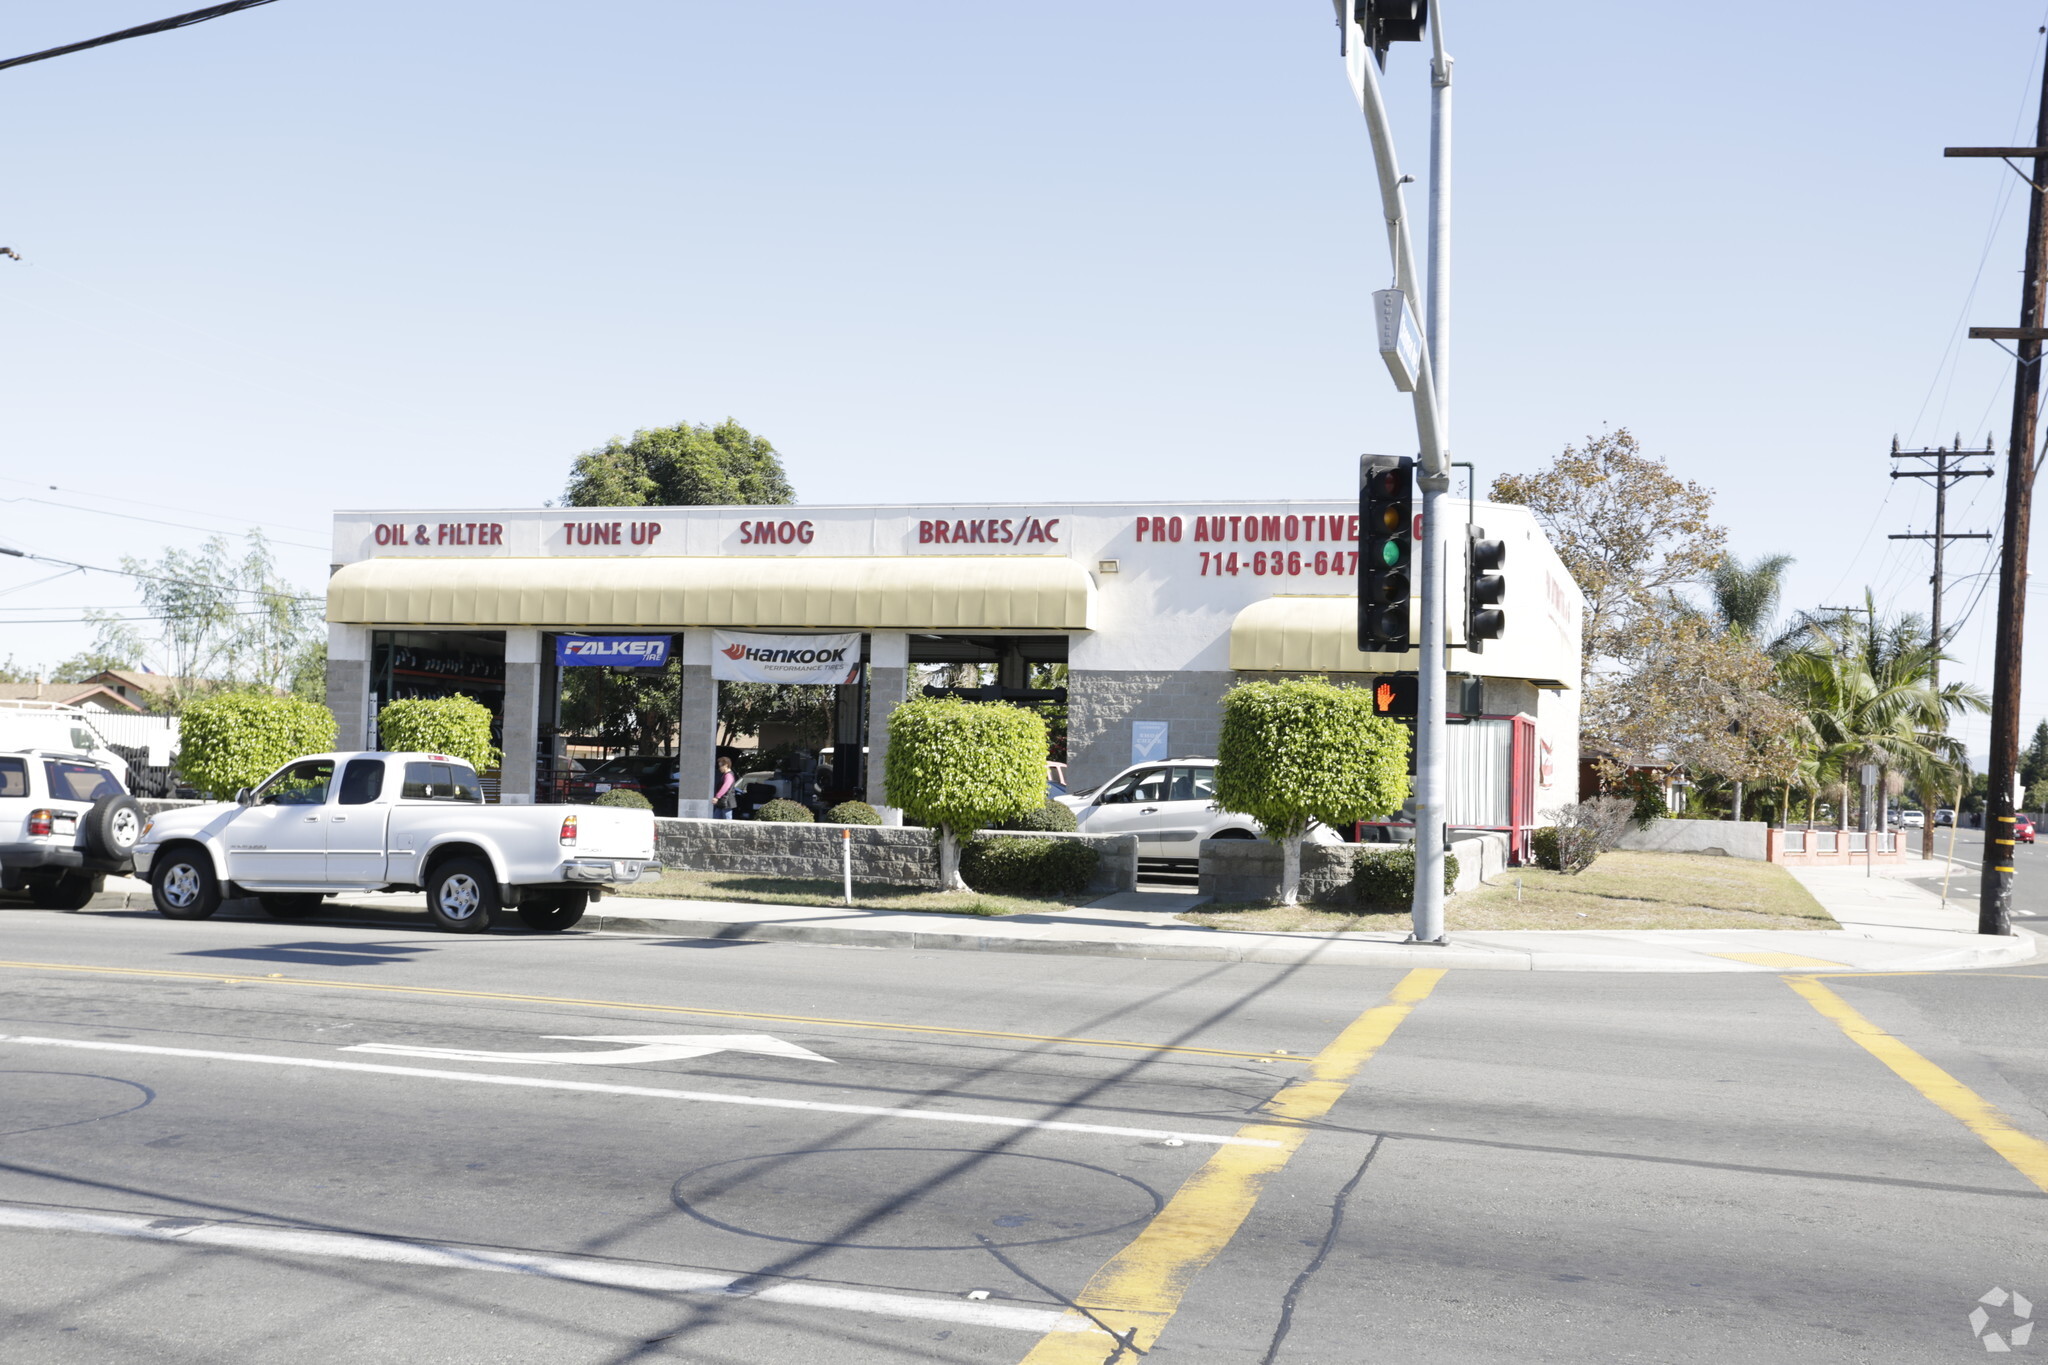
(611, 651)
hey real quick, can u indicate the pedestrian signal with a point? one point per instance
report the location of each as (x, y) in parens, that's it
(1395, 697)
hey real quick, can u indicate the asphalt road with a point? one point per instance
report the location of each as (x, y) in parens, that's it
(1525, 1167)
(1965, 879)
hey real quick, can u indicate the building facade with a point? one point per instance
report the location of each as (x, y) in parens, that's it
(1155, 609)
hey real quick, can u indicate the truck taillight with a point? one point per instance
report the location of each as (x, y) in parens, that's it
(568, 828)
(39, 821)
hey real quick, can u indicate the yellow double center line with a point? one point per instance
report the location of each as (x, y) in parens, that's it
(1136, 1293)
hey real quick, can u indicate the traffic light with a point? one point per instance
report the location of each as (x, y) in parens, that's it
(1390, 21)
(1484, 589)
(1395, 697)
(1386, 543)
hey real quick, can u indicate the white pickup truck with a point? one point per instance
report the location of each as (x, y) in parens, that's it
(332, 823)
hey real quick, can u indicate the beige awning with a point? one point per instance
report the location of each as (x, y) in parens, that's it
(988, 592)
(1320, 635)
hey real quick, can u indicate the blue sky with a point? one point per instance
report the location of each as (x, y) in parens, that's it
(323, 254)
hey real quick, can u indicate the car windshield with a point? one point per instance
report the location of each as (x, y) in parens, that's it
(80, 781)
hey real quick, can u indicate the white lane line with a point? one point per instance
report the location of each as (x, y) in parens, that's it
(577, 1269)
(653, 1092)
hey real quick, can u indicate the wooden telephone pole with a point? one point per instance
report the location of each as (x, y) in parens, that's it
(1943, 474)
(1994, 907)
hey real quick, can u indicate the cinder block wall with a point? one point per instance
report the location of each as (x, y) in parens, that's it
(1102, 703)
(896, 855)
(1236, 870)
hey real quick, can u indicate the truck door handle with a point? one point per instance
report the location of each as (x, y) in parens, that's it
(1149, 810)
(337, 819)
(312, 819)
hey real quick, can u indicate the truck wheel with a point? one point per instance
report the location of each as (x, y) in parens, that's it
(113, 826)
(70, 891)
(462, 895)
(294, 905)
(553, 913)
(183, 885)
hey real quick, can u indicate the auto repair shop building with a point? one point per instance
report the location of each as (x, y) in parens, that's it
(1156, 609)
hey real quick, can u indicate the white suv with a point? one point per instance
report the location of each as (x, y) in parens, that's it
(1171, 807)
(65, 822)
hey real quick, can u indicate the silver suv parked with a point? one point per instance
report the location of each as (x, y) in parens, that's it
(1170, 806)
(65, 822)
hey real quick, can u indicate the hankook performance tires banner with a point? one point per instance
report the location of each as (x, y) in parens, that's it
(737, 657)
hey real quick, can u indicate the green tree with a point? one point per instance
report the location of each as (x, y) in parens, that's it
(1304, 750)
(961, 766)
(12, 672)
(455, 725)
(232, 740)
(686, 465)
(309, 672)
(228, 620)
(1746, 595)
(2033, 763)
(93, 662)
(1627, 530)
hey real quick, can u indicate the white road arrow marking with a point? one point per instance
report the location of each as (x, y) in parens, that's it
(653, 1047)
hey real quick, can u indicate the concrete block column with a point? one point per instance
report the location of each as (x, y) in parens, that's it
(696, 727)
(348, 684)
(521, 721)
(888, 685)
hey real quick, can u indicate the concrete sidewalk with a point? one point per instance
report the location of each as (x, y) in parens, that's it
(1888, 925)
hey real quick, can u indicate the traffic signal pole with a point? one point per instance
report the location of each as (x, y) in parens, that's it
(1431, 731)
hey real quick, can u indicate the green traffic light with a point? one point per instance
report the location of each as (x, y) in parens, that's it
(1390, 553)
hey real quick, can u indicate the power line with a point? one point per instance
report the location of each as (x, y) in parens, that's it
(162, 578)
(158, 504)
(153, 521)
(197, 16)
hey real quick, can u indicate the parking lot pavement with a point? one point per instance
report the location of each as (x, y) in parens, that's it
(240, 1140)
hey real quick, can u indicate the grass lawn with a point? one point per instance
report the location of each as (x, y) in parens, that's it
(1620, 891)
(734, 886)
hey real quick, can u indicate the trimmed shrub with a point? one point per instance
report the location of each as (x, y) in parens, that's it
(1303, 750)
(1383, 875)
(1050, 818)
(1543, 846)
(853, 813)
(620, 796)
(233, 740)
(783, 812)
(1028, 867)
(459, 726)
(961, 766)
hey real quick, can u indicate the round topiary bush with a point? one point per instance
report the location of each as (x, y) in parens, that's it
(853, 813)
(621, 796)
(1050, 818)
(236, 739)
(784, 812)
(1028, 867)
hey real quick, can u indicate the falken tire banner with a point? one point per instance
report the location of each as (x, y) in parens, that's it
(785, 658)
(614, 651)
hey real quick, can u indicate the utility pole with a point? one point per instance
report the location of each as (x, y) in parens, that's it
(1943, 475)
(1994, 906)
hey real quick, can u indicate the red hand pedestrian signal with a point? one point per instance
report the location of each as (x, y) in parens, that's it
(1383, 698)
(1394, 697)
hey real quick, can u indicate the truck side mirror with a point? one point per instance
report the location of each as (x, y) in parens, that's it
(245, 797)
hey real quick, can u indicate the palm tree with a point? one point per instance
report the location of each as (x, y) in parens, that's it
(1869, 697)
(1746, 595)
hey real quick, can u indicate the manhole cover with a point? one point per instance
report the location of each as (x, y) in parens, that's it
(912, 1198)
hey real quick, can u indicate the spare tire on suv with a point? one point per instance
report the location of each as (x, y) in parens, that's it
(112, 828)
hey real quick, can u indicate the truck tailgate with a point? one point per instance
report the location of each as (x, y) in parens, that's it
(609, 832)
